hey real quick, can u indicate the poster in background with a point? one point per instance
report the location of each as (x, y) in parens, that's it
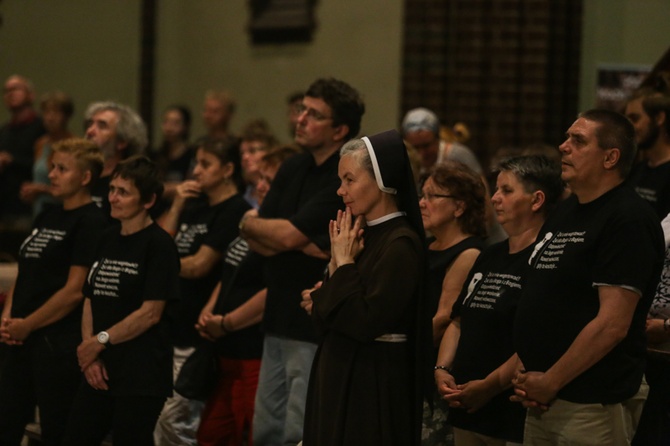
(616, 83)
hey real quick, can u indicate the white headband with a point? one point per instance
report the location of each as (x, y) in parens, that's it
(375, 168)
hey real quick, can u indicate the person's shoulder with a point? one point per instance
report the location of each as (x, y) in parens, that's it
(233, 205)
(661, 168)
(160, 241)
(91, 215)
(155, 231)
(401, 228)
(293, 166)
(473, 242)
(237, 201)
(50, 210)
(91, 209)
(464, 154)
(302, 158)
(626, 200)
(495, 249)
(624, 208)
(111, 232)
(460, 147)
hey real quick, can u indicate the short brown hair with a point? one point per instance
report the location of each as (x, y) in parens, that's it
(466, 186)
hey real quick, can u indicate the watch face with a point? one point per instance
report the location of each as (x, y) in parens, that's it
(103, 337)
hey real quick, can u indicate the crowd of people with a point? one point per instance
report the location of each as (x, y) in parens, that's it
(377, 290)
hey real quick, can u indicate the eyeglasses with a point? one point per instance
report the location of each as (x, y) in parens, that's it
(312, 114)
(431, 197)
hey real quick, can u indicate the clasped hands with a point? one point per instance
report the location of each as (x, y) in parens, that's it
(13, 331)
(346, 239)
(210, 326)
(91, 365)
(531, 389)
(470, 396)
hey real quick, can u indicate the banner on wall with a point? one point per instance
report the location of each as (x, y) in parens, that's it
(616, 83)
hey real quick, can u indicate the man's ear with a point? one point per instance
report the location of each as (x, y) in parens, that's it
(612, 157)
(341, 132)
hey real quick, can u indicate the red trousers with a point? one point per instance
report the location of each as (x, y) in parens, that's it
(228, 414)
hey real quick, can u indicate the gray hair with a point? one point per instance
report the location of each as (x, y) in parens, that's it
(537, 172)
(420, 119)
(357, 149)
(130, 127)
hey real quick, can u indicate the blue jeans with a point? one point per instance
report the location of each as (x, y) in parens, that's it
(279, 410)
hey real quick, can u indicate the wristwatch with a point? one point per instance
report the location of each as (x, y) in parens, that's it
(103, 338)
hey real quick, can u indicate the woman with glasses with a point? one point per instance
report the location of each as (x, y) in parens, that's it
(452, 209)
(479, 339)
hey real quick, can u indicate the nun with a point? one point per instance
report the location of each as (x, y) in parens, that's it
(363, 386)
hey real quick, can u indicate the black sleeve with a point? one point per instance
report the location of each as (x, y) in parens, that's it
(365, 307)
(162, 270)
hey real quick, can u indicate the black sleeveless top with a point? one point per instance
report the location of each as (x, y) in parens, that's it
(438, 262)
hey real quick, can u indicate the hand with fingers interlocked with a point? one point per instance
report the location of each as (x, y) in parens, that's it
(346, 239)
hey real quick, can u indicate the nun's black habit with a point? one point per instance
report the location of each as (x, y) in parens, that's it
(364, 387)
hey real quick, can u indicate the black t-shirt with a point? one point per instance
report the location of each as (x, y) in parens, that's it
(201, 224)
(129, 270)
(613, 240)
(486, 307)
(241, 279)
(59, 240)
(306, 195)
(653, 185)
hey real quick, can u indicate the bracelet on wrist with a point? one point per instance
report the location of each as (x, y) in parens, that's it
(443, 367)
(243, 221)
(666, 325)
